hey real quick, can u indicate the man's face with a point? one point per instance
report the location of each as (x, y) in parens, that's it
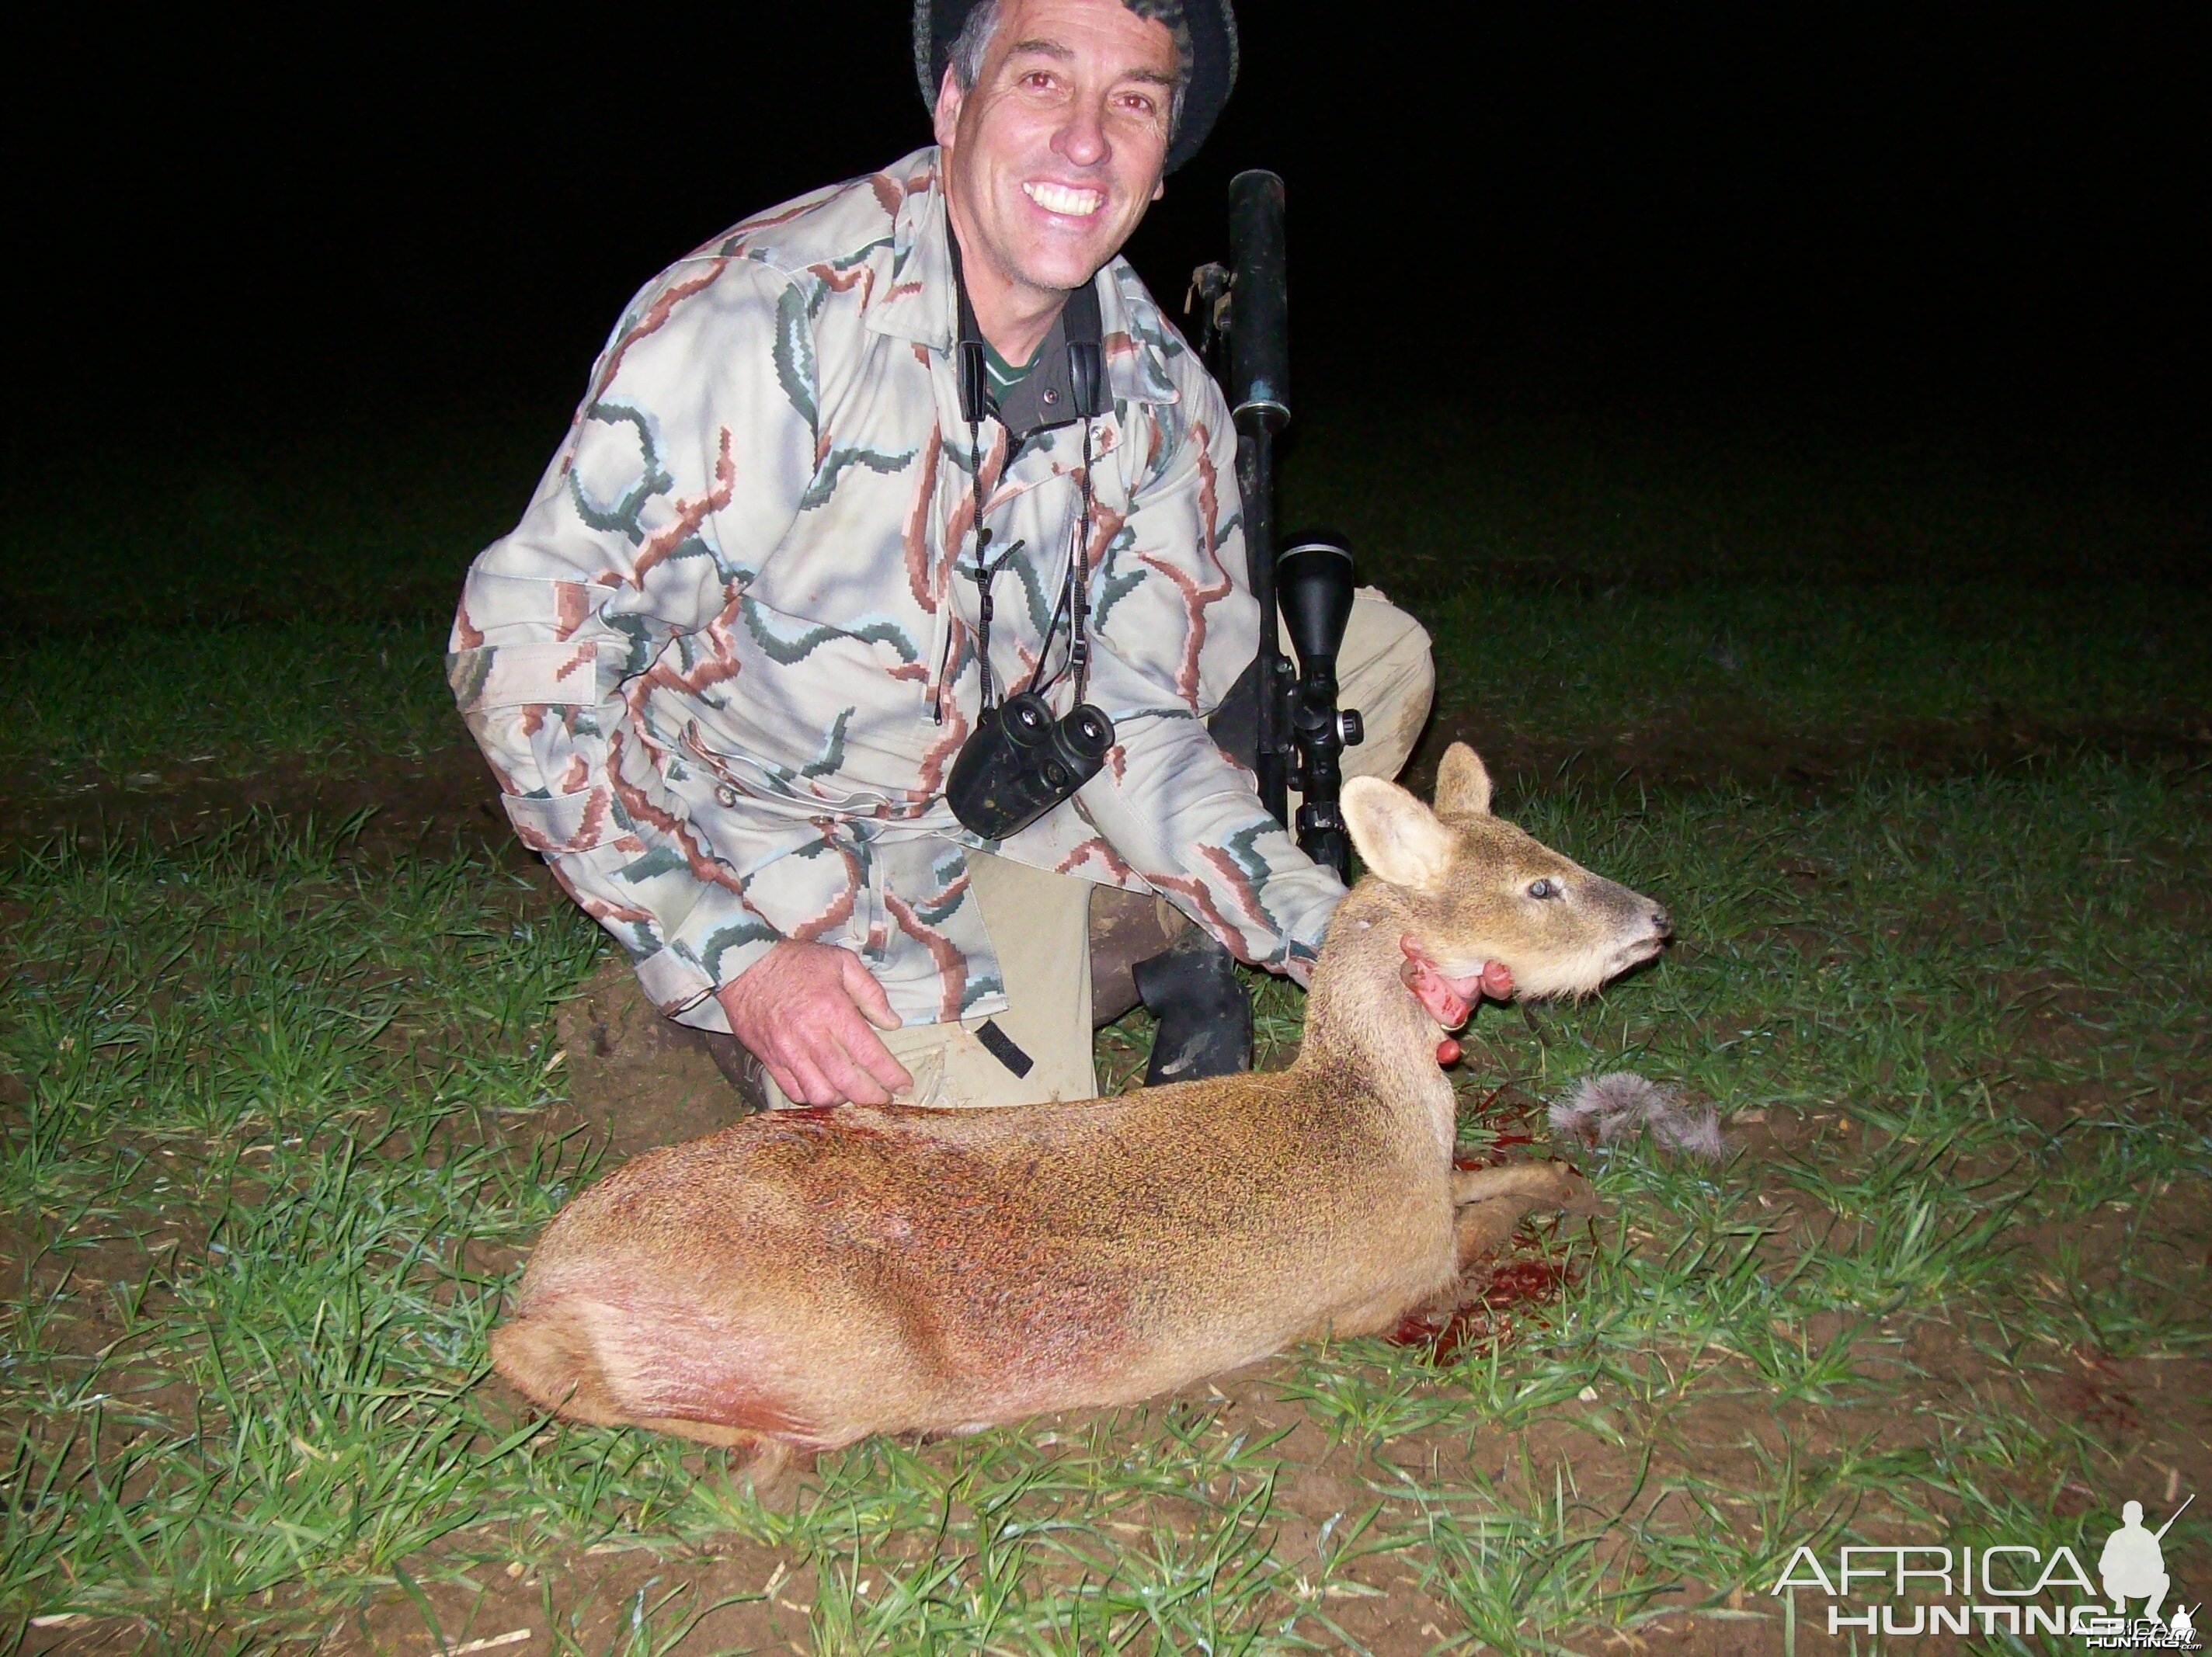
(1052, 157)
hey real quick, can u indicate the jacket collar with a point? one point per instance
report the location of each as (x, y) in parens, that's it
(919, 302)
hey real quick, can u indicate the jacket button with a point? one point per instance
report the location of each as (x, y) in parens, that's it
(724, 792)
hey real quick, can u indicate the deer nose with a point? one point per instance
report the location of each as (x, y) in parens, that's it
(1663, 923)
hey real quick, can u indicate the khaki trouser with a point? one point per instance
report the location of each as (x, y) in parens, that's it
(1040, 922)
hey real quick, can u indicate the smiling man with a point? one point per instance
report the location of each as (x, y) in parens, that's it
(1053, 152)
(723, 667)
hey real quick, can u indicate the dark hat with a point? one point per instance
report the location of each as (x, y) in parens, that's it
(1210, 25)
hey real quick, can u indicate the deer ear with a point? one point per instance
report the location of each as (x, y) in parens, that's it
(1398, 837)
(1462, 783)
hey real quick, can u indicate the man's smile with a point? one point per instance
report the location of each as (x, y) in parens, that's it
(1068, 200)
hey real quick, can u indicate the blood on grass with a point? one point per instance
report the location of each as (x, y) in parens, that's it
(1472, 1158)
(1484, 1315)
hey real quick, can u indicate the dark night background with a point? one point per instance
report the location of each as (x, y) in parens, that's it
(1984, 216)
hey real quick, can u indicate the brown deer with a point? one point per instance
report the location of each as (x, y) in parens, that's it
(809, 1277)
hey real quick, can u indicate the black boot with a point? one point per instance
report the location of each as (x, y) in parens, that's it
(1205, 1012)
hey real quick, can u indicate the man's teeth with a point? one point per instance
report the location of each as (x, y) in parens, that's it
(1058, 198)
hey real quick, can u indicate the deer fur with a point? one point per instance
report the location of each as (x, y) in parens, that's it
(809, 1276)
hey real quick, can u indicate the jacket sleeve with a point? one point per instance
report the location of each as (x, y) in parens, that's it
(683, 471)
(1175, 625)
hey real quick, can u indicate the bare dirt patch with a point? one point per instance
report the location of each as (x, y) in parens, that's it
(413, 805)
(636, 1078)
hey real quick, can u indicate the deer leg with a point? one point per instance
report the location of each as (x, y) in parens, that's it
(548, 1356)
(774, 1470)
(1540, 1184)
(1491, 1201)
(703, 1432)
(1481, 1226)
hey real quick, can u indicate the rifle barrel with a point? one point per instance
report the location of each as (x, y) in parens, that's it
(2178, 1512)
(1259, 394)
(1260, 306)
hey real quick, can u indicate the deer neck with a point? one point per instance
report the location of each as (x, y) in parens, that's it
(1360, 1016)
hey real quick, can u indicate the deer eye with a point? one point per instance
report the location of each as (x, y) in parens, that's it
(1543, 889)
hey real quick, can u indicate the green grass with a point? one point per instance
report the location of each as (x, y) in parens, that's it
(220, 701)
(250, 595)
(1580, 582)
(1508, 485)
(1797, 658)
(280, 1107)
(278, 1097)
(1543, 665)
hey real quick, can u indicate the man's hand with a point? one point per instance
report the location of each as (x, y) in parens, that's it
(809, 1012)
(1451, 1001)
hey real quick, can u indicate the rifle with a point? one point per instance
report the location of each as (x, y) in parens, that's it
(1285, 725)
(1299, 732)
(2159, 1535)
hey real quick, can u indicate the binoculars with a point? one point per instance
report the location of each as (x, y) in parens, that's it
(1020, 761)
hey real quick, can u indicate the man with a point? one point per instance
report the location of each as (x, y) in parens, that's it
(724, 665)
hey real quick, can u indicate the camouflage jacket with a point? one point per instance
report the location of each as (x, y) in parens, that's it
(723, 664)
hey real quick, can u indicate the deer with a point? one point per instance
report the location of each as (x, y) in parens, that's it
(808, 1276)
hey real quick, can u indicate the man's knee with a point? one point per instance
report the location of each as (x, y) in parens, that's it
(1387, 670)
(1125, 928)
(1039, 926)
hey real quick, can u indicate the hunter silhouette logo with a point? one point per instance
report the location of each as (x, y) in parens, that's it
(2133, 1564)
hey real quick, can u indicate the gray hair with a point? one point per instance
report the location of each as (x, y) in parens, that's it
(974, 40)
